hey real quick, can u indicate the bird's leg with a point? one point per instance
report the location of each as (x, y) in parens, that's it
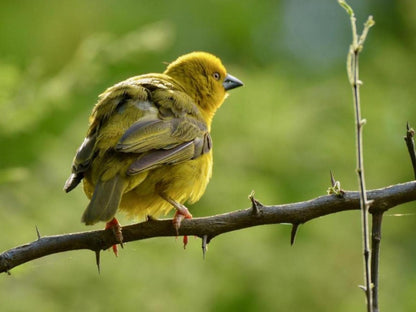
(116, 228)
(181, 213)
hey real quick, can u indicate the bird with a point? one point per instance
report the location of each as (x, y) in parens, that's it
(148, 147)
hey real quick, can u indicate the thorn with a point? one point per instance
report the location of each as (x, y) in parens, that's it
(204, 245)
(410, 130)
(37, 232)
(332, 178)
(97, 260)
(149, 218)
(363, 122)
(255, 205)
(293, 233)
(362, 288)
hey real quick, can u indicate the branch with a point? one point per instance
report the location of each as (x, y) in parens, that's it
(410, 143)
(353, 73)
(375, 247)
(210, 227)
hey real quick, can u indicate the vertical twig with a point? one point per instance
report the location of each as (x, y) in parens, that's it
(353, 75)
(410, 143)
(375, 248)
(361, 178)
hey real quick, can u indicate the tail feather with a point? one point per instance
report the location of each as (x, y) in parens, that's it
(105, 201)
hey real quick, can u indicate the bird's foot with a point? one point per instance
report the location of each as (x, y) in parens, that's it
(115, 226)
(181, 213)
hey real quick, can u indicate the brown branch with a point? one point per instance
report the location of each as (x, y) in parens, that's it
(210, 227)
(375, 248)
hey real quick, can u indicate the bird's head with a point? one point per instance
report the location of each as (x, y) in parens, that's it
(204, 78)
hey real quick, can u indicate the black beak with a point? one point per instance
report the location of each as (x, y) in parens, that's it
(230, 82)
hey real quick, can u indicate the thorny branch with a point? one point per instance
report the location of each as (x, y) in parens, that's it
(209, 227)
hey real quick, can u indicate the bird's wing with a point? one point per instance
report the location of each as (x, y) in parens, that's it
(170, 137)
(174, 155)
(156, 133)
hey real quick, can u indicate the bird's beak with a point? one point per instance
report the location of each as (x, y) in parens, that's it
(230, 82)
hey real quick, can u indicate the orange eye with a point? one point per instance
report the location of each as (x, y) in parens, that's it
(216, 76)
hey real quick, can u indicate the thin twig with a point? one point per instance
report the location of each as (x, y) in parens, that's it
(353, 74)
(295, 213)
(364, 204)
(410, 143)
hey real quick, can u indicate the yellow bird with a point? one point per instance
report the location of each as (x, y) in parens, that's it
(148, 147)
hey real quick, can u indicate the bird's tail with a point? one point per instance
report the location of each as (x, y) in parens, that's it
(105, 201)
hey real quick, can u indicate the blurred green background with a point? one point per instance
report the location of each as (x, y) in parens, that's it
(278, 135)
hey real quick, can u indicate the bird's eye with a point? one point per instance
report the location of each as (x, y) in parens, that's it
(216, 76)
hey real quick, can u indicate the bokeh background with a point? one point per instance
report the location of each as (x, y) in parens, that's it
(279, 135)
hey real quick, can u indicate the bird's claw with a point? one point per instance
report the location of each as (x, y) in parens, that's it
(115, 226)
(182, 213)
(179, 216)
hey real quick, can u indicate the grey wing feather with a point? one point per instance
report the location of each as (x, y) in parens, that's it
(156, 158)
(149, 134)
(81, 163)
(185, 151)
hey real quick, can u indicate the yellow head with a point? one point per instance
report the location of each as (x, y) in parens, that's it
(204, 78)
